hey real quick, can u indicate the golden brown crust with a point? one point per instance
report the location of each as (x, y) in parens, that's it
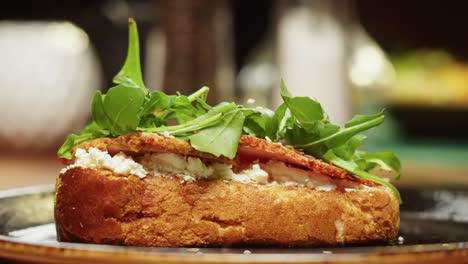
(97, 206)
(249, 148)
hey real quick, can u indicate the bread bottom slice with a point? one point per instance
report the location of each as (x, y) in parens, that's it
(96, 206)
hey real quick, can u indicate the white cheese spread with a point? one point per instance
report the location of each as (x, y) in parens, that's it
(192, 168)
(96, 159)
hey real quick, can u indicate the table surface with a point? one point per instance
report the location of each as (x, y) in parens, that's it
(18, 170)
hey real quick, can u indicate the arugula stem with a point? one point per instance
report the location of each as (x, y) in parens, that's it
(199, 96)
(345, 133)
(368, 176)
(331, 157)
(199, 93)
(180, 129)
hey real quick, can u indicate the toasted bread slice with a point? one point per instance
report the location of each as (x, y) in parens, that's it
(98, 206)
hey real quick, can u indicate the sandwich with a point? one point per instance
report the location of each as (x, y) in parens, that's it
(161, 170)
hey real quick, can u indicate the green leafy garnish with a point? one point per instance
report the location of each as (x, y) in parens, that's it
(129, 107)
(91, 131)
(308, 128)
(300, 122)
(154, 101)
(353, 168)
(118, 111)
(130, 74)
(223, 138)
(258, 121)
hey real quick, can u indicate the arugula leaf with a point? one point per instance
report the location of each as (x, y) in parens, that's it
(257, 120)
(181, 109)
(153, 101)
(275, 128)
(355, 126)
(203, 121)
(153, 104)
(296, 135)
(97, 110)
(91, 131)
(362, 119)
(71, 141)
(223, 138)
(353, 168)
(122, 105)
(223, 107)
(178, 130)
(309, 129)
(347, 150)
(385, 160)
(130, 74)
(95, 130)
(306, 110)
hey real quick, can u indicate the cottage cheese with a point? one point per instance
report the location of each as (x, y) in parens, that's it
(188, 168)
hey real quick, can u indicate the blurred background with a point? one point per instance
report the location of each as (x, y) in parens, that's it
(409, 57)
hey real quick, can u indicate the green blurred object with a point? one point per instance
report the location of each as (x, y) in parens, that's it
(427, 151)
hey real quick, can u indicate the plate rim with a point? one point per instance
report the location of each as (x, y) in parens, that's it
(11, 249)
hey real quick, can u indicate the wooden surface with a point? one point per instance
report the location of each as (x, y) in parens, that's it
(19, 170)
(44, 254)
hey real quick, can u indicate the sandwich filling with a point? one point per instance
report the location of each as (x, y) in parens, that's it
(189, 168)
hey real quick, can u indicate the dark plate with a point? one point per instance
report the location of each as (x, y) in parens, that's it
(434, 228)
